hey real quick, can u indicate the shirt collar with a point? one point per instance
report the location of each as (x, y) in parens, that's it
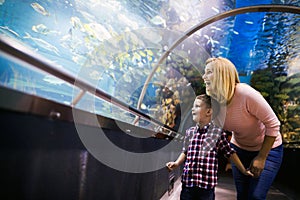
(204, 129)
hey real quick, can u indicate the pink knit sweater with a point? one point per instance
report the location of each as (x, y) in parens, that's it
(250, 117)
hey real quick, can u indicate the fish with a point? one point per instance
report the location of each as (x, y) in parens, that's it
(6, 30)
(215, 9)
(40, 9)
(128, 22)
(127, 77)
(226, 48)
(41, 28)
(95, 75)
(206, 37)
(53, 80)
(216, 28)
(249, 22)
(79, 59)
(87, 16)
(97, 31)
(111, 75)
(42, 43)
(77, 24)
(159, 21)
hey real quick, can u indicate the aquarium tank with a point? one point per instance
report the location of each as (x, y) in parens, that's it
(115, 46)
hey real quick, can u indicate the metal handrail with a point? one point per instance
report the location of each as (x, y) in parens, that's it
(21, 53)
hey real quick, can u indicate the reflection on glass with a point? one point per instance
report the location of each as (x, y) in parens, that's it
(27, 79)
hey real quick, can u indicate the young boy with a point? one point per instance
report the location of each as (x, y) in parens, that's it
(200, 149)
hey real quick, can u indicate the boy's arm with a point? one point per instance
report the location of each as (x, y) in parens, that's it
(179, 161)
(234, 158)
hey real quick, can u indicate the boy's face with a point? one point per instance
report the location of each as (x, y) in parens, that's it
(200, 112)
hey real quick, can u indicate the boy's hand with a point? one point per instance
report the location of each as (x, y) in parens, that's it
(248, 173)
(171, 165)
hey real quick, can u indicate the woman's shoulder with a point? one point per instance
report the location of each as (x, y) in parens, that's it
(244, 88)
(245, 92)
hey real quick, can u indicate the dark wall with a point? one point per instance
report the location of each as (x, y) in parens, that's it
(43, 158)
(288, 177)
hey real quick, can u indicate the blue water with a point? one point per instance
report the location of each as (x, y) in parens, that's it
(115, 44)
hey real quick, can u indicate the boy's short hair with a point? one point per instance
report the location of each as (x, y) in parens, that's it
(205, 98)
(210, 103)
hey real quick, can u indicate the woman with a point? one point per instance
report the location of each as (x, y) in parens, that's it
(255, 127)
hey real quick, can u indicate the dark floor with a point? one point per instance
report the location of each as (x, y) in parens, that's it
(226, 190)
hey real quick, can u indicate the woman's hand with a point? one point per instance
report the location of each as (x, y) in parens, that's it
(257, 166)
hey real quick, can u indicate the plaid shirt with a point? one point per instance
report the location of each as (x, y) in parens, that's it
(201, 147)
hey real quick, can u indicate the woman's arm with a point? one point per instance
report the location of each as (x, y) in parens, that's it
(260, 108)
(258, 163)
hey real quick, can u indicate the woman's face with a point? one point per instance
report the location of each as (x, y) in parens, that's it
(208, 78)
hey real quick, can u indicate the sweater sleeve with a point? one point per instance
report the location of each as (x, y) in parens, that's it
(224, 146)
(259, 107)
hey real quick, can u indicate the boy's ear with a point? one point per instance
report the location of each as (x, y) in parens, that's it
(209, 111)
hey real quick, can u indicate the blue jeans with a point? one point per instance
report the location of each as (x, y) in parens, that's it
(196, 193)
(256, 188)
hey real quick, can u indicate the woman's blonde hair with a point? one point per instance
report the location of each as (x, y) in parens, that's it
(225, 79)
